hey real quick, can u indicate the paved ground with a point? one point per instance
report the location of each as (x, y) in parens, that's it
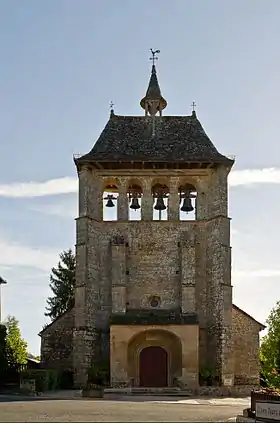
(123, 409)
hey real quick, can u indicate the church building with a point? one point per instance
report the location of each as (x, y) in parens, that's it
(153, 279)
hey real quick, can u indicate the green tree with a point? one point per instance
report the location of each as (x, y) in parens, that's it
(16, 345)
(62, 283)
(3, 350)
(270, 349)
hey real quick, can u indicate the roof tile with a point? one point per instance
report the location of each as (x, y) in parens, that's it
(159, 138)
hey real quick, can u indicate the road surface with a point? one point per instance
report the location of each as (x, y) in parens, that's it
(122, 409)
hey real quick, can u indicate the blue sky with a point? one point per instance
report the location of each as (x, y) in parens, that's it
(63, 61)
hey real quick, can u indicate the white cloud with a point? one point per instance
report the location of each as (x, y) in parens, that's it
(14, 254)
(69, 210)
(256, 273)
(57, 186)
(69, 185)
(254, 176)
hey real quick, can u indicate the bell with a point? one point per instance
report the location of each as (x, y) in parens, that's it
(160, 204)
(187, 205)
(135, 204)
(110, 201)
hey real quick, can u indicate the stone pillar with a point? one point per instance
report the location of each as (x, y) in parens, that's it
(85, 179)
(118, 278)
(83, 340)
(90, 194)
(122, 200)
(118, 359)
(226, 341)
(173, 200)
(201, 205)
(218, 193)
(85, 336)
(147, 201)
(219, 295)
(188, 275)
(80, 353)
(190, 359)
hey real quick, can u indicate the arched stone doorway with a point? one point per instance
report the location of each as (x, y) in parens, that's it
(150, 352)
(153, 367)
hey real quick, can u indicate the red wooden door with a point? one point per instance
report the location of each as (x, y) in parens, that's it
(153, 367)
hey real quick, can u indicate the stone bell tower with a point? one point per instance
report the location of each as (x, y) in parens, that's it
(153, 282)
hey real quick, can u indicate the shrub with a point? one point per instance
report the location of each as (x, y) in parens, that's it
(66, 379)
(45, 379)
(98, 374)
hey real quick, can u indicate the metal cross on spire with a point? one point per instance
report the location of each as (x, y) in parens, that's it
(111, 109)
(154, 52)
(193, 105)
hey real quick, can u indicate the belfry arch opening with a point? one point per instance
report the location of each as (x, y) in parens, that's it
(134, 194)
(187, 204)
(110, 201)
(160, 193)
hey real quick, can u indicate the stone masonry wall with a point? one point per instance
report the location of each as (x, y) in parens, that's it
(186, 264)
(246, 348)
(154, 266)
(56, 345)
(57, 342)
(174, 260)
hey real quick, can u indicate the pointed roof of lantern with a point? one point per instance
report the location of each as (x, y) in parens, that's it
(153, 138)
(153, 101)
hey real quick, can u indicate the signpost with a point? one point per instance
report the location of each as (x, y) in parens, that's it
(267, 411)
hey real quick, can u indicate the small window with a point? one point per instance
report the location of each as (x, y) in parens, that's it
(155, 302)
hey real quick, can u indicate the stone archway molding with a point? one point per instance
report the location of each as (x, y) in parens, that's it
(180, 340)
(155, 338)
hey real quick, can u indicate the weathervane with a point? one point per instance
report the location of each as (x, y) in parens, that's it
(111, 106)
(154, 52)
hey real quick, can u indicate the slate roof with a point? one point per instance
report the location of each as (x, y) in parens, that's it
(153, 91)
(154, 139)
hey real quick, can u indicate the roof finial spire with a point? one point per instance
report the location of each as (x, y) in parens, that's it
(111, 109)
(153, 102)
(193, 106)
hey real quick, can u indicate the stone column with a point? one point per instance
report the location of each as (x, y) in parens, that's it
(85, 180)
(218, 193)
(85, 336)
(188, 274)
(147, 201)
(123, 200)
(118, 358)
(80, 353)
(201, 204)
(190, 356)
(220, 301)
(90, 194)
(226, 341)
(118, 278)
(173, 200)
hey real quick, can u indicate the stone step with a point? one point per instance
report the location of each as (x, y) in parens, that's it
(148, 391)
